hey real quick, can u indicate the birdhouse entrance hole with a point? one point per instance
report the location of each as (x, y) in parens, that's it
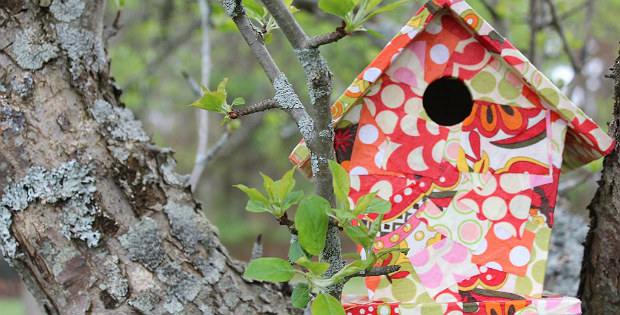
(447, 101)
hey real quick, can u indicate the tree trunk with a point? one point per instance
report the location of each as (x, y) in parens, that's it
(93, 216)
(599, 289)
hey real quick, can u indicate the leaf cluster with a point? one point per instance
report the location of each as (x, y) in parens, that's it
(357, 12)
(266, 22)
(311, 222)
(215, 101)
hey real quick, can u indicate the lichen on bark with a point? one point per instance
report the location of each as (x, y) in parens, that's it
(67, 10)
(143, 242)
(70, 183)
(32, 50)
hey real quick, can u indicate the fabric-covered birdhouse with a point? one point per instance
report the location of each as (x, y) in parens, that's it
(467, 140)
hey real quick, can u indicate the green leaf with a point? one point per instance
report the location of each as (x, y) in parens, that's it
(374, 227)
(238, 101)
(372, 4)
(222, 86)
(352, 268)
(120, 3)
(211, 101)
(254, 10)
(344, 216)
(386, 8)
(295, 251)
(311, 221)
(268, 38)
(301, 295)
(375, 33)
(363, 202)
(378, 206)
(358, 235)
(257, 206)
(270, 187)
(342, 182)
(253, 193)
(292, 198)
(287, 183)
(355, 256)
(337, 7)
(325, 304)
(316, 268)
(270, 269)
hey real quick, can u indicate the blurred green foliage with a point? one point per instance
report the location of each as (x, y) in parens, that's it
(160, 39)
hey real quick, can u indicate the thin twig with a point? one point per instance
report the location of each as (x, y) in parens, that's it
(376, 271)
(284, 220)
(214, 150)
(557, 24)
(203, 115)
(193, 85)
(165, 50)
(534, 28)
(328, 38)
(257, 249)
(258, 107)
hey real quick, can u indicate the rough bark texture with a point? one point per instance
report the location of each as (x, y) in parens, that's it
(600, 274)
(93, 216)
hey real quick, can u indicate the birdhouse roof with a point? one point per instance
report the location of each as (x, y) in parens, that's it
(585, 141)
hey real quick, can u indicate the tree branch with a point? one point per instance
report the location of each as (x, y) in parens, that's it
(284, 220)
(286, 97)
(321, 144)
(203, 115)
(376, 271)
(328, 38)
(258, 107)
(557, 24)
(287, 23)
(204, 160)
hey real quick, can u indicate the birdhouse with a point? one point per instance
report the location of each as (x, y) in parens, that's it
(467, 140)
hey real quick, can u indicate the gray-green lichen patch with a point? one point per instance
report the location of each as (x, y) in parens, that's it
(211, 268)
(182, 287)
(31, 50)
(144, 301)
(285, 95)
(114, 283)
(70, 183)
(306, 128)
(171, 176)
(67, 10)
(82, 47)
(143, 242)
(120, 122)
(187, 226)
(231, 8)
(315, 68)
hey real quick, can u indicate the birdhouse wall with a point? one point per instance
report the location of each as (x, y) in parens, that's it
(473, 201)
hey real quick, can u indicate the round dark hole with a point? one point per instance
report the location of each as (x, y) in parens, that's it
(447, 101)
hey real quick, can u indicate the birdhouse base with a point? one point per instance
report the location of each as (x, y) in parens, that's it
(550, 304)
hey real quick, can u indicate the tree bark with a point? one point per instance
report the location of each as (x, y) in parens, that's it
(93, 216)
(599, 289)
